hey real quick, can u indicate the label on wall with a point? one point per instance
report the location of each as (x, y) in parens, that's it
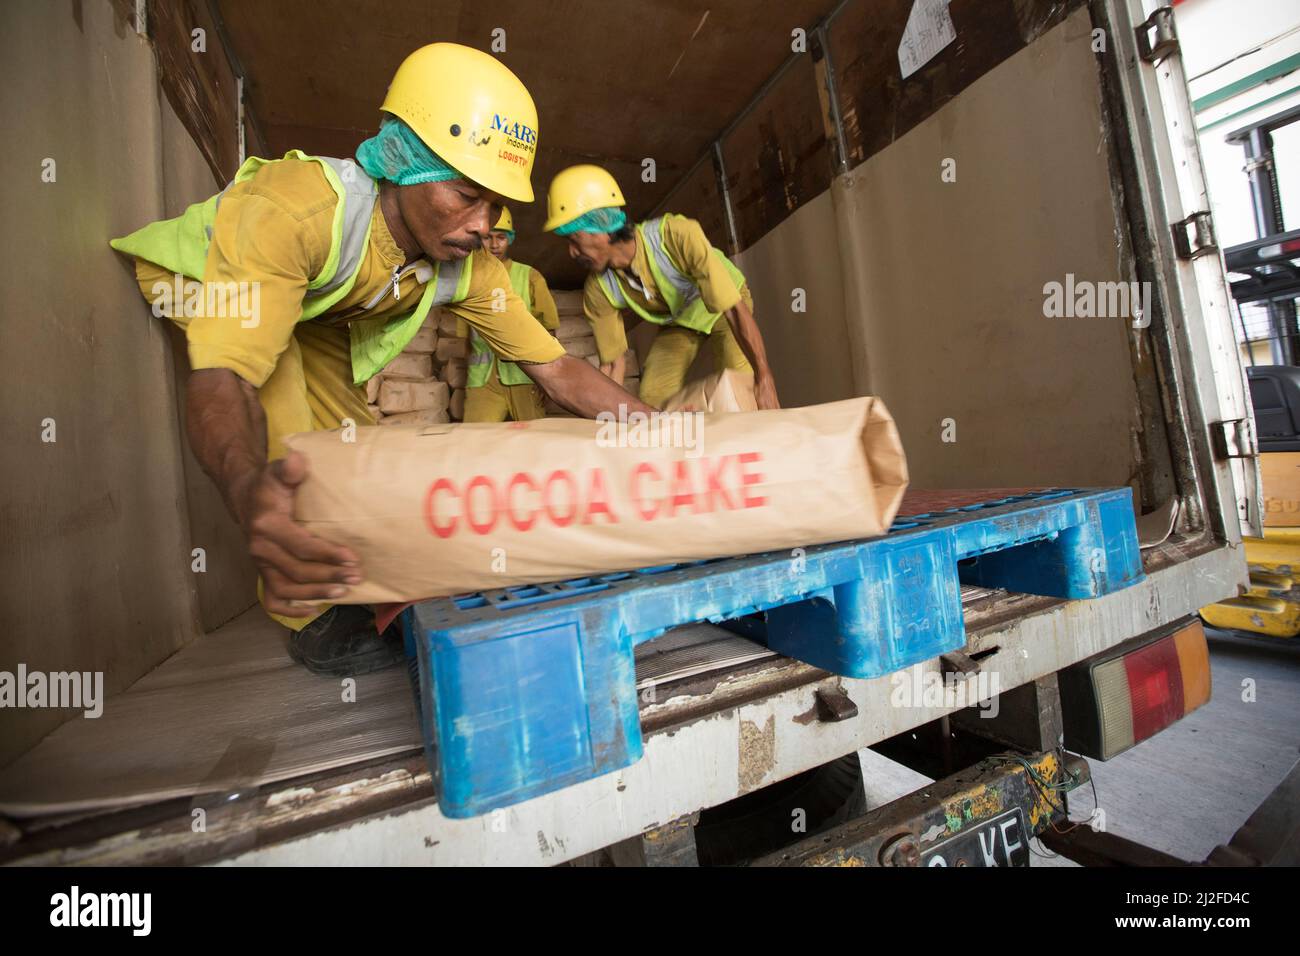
(929, 29)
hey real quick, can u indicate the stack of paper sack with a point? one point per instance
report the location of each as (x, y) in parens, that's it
(576, 336)
(425, 384)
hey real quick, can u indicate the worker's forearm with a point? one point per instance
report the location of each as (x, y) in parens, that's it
(578, 386)
(749, 338)
(227, 432)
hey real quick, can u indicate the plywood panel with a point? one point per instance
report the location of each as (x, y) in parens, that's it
(228, 585)
(809, 351)
(197, 80)
(700, 198)
(778, 156)
(945, 293)
(229, 712)
(94, 572)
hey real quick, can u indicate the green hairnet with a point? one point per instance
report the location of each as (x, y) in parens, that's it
(606, 219)
(396, 154)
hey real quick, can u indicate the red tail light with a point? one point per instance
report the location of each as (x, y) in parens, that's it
(1125, 695)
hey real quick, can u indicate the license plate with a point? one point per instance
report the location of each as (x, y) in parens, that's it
(1000, 841)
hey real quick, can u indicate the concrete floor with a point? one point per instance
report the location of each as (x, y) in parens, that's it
(1189, 788)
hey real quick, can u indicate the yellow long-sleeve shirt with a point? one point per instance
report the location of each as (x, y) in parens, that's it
(275, 229)
(543, 308)
(686, 243)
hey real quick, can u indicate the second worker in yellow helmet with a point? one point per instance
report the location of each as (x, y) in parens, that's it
(666, 272)
(498, 389)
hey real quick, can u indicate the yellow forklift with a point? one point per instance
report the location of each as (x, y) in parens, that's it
(1271, 605)
(1266, 273)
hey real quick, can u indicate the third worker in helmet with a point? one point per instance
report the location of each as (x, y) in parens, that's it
(666, 272)
(498, 389)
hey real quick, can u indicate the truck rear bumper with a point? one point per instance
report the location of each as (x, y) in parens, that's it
(1019, 794)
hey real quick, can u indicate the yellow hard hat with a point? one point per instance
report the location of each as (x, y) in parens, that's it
(578, 190)
(506, 222)
(470, 110)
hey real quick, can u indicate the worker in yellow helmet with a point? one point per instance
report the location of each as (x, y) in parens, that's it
(665, 271)
(306, 275)
(498, 389)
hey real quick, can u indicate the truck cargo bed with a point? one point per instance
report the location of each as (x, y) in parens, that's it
(708, 738)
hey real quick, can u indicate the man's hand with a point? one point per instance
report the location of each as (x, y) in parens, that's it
(765, 392)
(750, 340)
(298, 569)
(227, 430)
(616, 369)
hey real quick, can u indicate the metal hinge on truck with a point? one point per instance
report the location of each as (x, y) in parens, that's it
(1194, 236)
(1157, 38)
(1234, 439)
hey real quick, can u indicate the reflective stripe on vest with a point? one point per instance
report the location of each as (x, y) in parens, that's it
(353, 214)
(519, 276)
(679, 291)
(481, 356)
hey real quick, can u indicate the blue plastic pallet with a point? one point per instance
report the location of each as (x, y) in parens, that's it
(528, 689)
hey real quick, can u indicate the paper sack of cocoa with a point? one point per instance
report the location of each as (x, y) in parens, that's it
(726, 391)
(445, 509)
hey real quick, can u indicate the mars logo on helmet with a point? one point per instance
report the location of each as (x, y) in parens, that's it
(524, 135)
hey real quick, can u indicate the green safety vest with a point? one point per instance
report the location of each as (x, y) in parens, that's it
(680, 293)
(180, 245)
(482, 357)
